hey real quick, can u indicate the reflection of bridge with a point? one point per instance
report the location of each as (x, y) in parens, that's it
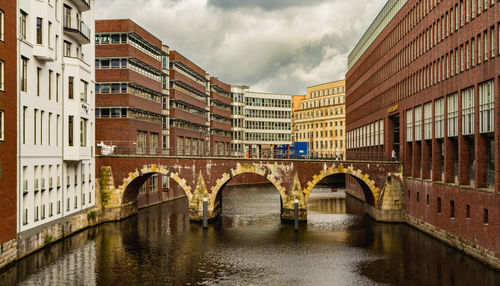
(121, 177)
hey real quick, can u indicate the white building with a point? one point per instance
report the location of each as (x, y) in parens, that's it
(55, 110)
(261, 122)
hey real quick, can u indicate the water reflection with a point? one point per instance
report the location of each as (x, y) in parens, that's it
(249, 246)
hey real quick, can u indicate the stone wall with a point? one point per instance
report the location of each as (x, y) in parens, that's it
(8, 252)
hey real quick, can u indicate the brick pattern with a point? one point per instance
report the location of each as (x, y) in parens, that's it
(8, 105)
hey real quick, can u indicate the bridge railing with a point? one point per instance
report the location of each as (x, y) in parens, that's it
(132, 148)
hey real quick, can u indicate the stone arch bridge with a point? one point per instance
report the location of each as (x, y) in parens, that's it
(380, 183)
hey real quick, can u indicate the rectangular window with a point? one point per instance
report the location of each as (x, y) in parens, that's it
(418, 123)
(38, 74)
(452, 102)
(50, 84)
(22, 24)
(468, 111)
(467, 211)
(70, 130)
(2, 25)
(83, 91)
(2, 126)
(83, 132)
(24, 74)
(428, 121)
(39, 30)
(438, 206)
(58, 77)
(2, 85)
(70, 87)
(49, 31)
(439, 117)
(485, 216)
(486, 107)
(67, 49)
(452, 209)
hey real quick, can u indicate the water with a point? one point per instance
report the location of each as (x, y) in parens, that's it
(249, 246)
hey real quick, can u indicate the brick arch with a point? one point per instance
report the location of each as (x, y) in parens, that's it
(248, 168)
(367, 184)
(148, 170)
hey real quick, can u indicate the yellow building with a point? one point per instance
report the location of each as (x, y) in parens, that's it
(320, 120)
(296, 100)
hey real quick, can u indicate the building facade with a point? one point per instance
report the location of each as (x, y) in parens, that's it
(132, 96)
(8, 131)
(189, 107)
(320, 120)
(262, 123)
(296, 100)
(220, 118)
(424, 81)
(55, 114)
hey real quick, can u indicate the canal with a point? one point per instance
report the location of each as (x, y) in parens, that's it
(249, 246)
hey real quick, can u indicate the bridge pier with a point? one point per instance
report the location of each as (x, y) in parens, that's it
(288, 208)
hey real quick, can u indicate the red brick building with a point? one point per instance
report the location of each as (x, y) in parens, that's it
(424, 82)
(220, 117)
(129, 86)
(8, 128)
(189, 97)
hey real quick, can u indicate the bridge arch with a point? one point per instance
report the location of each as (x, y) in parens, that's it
(245, 169)
(128, 189)
(371, 191)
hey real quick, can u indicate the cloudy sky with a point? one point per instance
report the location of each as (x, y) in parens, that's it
(278, 46)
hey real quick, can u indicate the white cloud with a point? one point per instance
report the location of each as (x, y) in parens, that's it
(276, 48)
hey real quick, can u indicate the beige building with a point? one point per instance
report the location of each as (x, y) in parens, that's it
(320, 120)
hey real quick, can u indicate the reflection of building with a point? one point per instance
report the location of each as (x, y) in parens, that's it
(320, 120)
(261, 122)
(424, 81)
(8, 125)
(56, 112)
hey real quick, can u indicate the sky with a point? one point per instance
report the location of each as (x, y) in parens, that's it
(279, 46)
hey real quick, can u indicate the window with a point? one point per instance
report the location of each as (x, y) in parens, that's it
(24, 74)
(468, 111)
(22, 24)
(2, 127)
(485, 216)
(467, 211)
(418, 123)
(83, 132)
(438, 206)
(452, 101)
(2, 86)
(452, 209)
(439, 117)
(427, 199)
(409, 125)
(67, 49)
(486, 107)
(83, 91)
(70, 130)
(70, 87)
(428, 121)
(39, 30)
(38, 74)
(1, 25)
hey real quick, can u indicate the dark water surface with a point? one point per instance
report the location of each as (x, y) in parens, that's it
(249, 246)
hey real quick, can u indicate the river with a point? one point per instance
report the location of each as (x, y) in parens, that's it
(250, 246)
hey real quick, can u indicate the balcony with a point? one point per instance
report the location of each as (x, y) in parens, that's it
(44, 53)
(82, 5)
(77, 29)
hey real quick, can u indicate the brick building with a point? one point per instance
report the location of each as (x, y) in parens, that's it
(189, 110)
(131, 94)
(424, 81)
(8, 127)
(220, 117)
